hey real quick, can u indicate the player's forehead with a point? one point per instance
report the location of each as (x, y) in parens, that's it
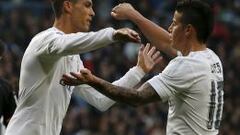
(86, 1)
(177, 16)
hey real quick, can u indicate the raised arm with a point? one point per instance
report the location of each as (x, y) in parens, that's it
(158, 36)
(75, 43)
(147, 58)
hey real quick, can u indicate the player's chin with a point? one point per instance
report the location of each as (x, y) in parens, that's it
(88, 26)
(85, 29)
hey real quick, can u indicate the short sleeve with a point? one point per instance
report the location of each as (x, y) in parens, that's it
(177, 77)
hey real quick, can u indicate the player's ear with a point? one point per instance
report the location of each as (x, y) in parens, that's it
(188, 30)
(67, 6)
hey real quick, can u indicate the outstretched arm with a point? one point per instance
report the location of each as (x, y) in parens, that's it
(147, 58)
(158, 36)
(75, 43)
(100, 101)
(135, 97)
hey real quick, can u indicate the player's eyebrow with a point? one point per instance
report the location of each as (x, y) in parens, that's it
(88, 3)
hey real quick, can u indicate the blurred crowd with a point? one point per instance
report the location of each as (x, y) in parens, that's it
(20, 20)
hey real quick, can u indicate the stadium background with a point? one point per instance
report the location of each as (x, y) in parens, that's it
(20, 20)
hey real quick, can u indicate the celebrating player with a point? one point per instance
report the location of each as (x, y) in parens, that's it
(192, 83)
(43, 101)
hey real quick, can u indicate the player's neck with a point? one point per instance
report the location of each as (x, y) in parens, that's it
(193, 46)
(64, 25)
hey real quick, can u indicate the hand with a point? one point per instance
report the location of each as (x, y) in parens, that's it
(83, 77)
(148, 57)
(127, 35)
(69, 80)
(122, 11)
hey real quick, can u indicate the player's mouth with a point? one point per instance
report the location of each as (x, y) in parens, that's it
(89, 21)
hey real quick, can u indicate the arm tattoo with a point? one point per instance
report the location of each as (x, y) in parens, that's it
(145, 94)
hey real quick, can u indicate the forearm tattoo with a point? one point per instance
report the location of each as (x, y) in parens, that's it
(145, 94)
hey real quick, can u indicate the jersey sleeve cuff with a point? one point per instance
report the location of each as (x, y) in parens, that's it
(159, 86)
(111, 33)
(137, 72)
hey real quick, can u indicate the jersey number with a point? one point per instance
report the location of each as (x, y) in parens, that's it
(216, 105)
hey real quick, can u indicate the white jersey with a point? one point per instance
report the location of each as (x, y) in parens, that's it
(193, 87)
(43, 101)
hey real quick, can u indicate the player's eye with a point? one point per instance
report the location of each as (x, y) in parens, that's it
(173, 23)
(88, 4)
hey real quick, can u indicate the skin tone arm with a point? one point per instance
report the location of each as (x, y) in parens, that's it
(158, 36)
(134, 97)
(145, 94)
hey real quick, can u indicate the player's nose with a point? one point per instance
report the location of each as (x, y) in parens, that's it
(92, 13)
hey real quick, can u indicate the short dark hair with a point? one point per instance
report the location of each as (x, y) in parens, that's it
(57, 6)
(199, 14)
(2, 47)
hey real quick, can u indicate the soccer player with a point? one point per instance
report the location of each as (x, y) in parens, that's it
(192, 83)
(43, 101)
